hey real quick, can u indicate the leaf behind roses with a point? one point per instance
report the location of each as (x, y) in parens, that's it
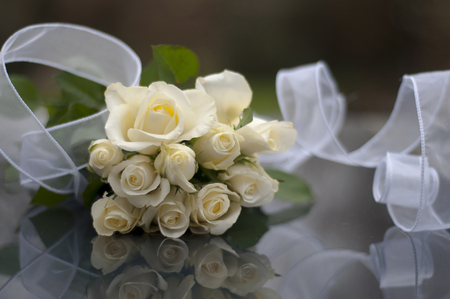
(176, 64)
(52, 224)
(47, 198)
(291, 188)
(248, 229)
(247, 117)
(289, 214)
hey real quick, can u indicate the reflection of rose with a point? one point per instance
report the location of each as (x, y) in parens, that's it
(211, 267)
(168, 255)
(177, 163)
(254, 270)
(254, 185)
(200, 292)
(136, 283)
(230, 91)
(218, 148)
(109, 253)
(267, 137)
(171, 217)
(263, 293)
(137, 180)
(104, 155)
(214, 209)
(179, 287)
(142, 118)
(114, 215)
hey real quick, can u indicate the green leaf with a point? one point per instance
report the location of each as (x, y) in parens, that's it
(52, 224)
(27, 91)
(292, 188)
(248, 229)
(71, 113)
(91, 192)
(289, 214)
(47, 198)
(10, 173)
(247, 117)
(150, 74)
(80, 90)
(176, 64)
(9, 260)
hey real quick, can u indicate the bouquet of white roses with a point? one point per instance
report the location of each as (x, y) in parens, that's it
(178, 159)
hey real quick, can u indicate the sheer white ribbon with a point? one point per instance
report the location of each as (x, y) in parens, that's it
(415, 188)
(53, 157)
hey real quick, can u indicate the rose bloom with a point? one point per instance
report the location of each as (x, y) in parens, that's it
(136, 283)
(218, 148)
(214, 209)
(142, 118)
(251, 182)
(164, 254)
(177, 163)
(254, 270)
(109, 253)
(104, 155)
(267, 137)
(114, 215)
(137, 180)
(230, 91)
(171, 216)
(211, 266)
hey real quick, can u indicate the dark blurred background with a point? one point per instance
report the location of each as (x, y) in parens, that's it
(368, 44)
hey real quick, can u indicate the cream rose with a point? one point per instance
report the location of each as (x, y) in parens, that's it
(142, 118)
(211, 267)
(136, 283)
(214, 209)
(251, 182)
(230, 91)
(254, 270)
(218, 148)
(267, 137)
(138, 181)
(109, 253)
(114, 215)
(165, 255)
(104, 155)
(177, 163)
(171, 216)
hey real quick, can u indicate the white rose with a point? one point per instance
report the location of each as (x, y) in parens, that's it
(171, 216)
(211, 267)
(109, 253)
(254, 270)
(218, 148)
(137, 180)
(114, 215)
(231, 92)
(165, 255)
(263, 293)
(251, 182)
(177, 163)
(214, 209)
(142, 118)
(179, 287)
(267, 137)
(136, 283)
(104, 155)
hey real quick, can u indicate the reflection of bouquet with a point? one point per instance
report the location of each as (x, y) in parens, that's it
(196, 267)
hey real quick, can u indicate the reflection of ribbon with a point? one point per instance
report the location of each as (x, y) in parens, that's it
(412, 186)
(52, 158)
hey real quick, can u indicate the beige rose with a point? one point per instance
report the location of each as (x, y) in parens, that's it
(171, 216)
(177, 163)
(254, 270)
(109, 253)
(218, 148)
(114, 215)
(230, 91)
(138, 181)
(251, 182)
(142, 118)
(104, 155)
(165, 254)
(267, 137)
(214, 209)
(136, 283)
